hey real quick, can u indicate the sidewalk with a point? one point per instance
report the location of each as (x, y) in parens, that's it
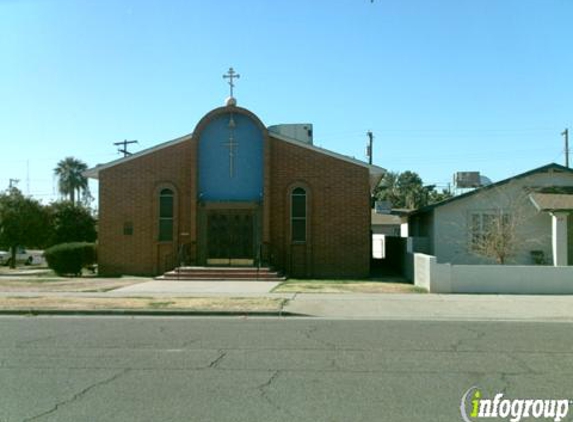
(434, 307)
(392, 306)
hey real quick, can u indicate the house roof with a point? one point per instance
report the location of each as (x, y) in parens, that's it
(543, 169)
(552, 201)
(384, 219)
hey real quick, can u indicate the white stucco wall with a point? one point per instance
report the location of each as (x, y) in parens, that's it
(422, 268)
(452, 221)
(493, 279)
(511, 279)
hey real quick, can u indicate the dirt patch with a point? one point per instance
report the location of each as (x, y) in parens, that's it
(172, 303)
(331, 287)
(59, 284)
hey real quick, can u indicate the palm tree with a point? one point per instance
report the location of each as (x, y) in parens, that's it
(388, 189)
(71, 178)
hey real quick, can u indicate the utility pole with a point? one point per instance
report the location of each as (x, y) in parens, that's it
(125, 143)
(565, 133)
(369, 147)
(12, 183)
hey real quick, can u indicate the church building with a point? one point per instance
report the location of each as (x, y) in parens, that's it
(236, 193)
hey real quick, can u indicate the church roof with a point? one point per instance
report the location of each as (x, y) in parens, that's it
(376, 173)
(93, 172)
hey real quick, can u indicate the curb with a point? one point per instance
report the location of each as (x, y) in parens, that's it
(137, 312)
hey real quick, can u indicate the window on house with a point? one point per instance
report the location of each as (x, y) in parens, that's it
(298, 215)
(488, 228)
(166, 215)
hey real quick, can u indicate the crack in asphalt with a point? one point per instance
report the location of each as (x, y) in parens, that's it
(189, 343)
(310, 334)
(267, 383)
(264, 394)
(521, 362)
(506, 382)
(34, 340)
(78, 395)
(218, 360)
(479, 335)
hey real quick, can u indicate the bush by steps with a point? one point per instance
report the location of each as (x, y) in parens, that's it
(70, 258)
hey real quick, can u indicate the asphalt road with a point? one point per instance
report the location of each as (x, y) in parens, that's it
(222, 369)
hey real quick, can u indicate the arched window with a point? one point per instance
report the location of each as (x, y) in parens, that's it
(166, 215)
(298, 215)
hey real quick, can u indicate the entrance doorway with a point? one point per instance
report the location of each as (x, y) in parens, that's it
(230, 237)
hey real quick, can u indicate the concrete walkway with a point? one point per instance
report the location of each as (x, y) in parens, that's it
(385, 306)
(434, 307)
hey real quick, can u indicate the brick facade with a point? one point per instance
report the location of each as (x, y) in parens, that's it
(338, 211)
(338, 233)
(129, 194)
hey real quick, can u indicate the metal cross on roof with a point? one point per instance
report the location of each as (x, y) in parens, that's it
(230, 75)
(231, 145)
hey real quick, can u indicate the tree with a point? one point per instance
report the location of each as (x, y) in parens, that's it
(71, 179)
(71, 222)
(407, 190)
(494, 235)
(23, 222)
(387, 189)
(504, 226)
(436, 196)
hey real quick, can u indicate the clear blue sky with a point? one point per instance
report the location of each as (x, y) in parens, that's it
(445, 85)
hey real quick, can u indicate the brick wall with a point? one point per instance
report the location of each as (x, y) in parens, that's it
(338, 242)
(129, 193)
(338, 239)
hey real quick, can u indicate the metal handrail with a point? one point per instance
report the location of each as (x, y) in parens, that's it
(259, 258)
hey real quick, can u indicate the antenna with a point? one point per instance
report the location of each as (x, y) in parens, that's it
(125, 143)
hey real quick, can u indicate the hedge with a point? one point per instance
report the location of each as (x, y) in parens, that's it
(70, 258)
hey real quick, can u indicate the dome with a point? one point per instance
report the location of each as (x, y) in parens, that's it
(231, 102)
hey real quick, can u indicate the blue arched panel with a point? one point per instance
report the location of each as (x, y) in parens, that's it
(231, 172)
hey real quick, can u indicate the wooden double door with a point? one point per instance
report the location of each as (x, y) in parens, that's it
(230, 237)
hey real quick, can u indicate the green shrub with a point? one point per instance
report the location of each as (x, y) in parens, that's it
(70, 258)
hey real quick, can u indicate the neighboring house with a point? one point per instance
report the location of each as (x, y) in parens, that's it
(534, 209)
(389, 232)
(386, 224)
(236, 192)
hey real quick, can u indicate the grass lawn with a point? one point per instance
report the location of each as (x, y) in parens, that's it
(346, 286)
(27, 271)
(53, 283)
(216, 304)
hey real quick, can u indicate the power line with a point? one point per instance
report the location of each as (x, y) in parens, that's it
(125, 143)
(565, 134)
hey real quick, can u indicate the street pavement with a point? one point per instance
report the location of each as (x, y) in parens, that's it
(143, 369)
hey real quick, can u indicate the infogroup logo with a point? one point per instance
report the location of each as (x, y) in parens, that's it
(475, 406)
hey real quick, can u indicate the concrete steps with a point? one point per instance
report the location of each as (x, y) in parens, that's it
(222, 274)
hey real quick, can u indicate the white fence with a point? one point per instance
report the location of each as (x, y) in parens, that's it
(521, 279)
